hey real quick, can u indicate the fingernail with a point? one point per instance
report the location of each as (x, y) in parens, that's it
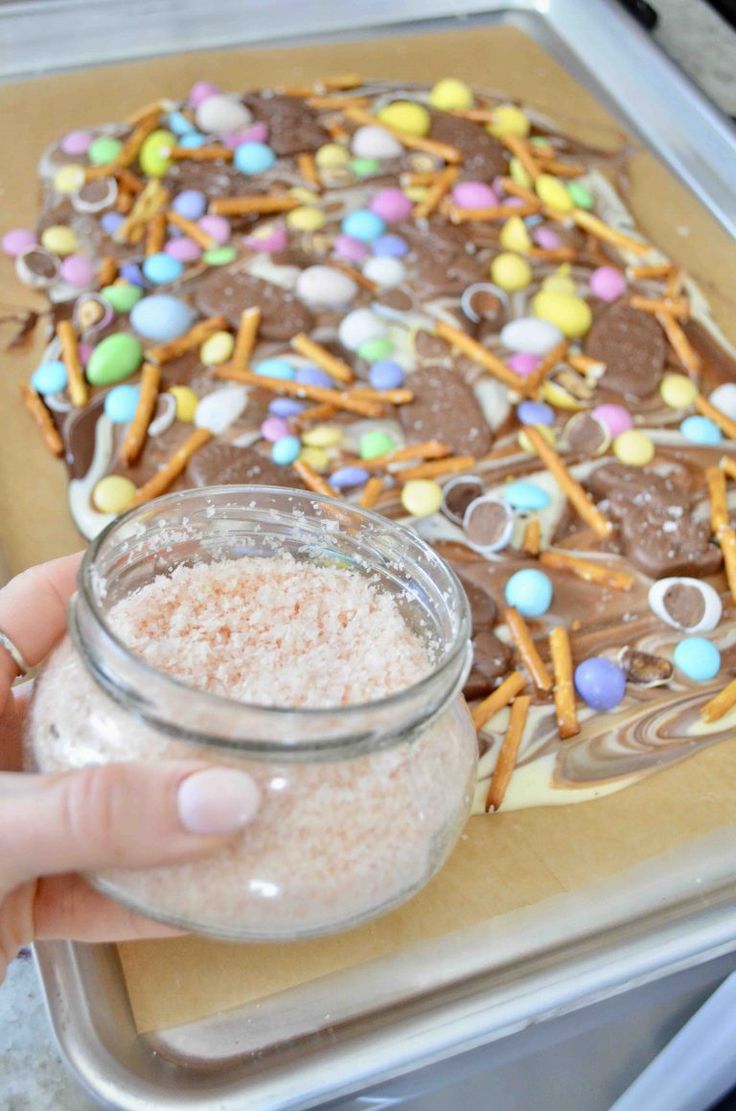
(217, 801)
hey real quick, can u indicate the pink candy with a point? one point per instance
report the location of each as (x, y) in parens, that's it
(76, 270)
(614, 417)
(85, 350)
(17, 241)
(392, 205)
(276, 240)
(258, 133)
(523, 364)
(547, 239)
(473, 194)
(183, 249)
(273, 429)
(352, 250)
(607, 283)
(217, 227)
(200, 90)
(76, 142)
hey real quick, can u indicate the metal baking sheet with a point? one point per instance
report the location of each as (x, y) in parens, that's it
(332, 1037)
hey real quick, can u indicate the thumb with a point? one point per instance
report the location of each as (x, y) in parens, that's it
(133, 815)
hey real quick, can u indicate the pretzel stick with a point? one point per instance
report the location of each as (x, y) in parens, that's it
(514, 189)
(252, 206)
(453, 464)
(679, 307)
(413, 142)
(43, 419)
(300, 390)
(644, 273)
(165, 352)
(156, 234)
(336, 130)
(127, 155)
(679, 342)
(506, 762)
(587, 569)
(128, 179)
(371, 492)
(245, 340)
(520, 150)
(728, 465)
(323, 358)
(554, 356)
(569, 486)
(585, 365)
(429, 449)
(532, 537)
(420, 177)
(308, 169)
(553, 254)
(495, 212)
(481, 355)
(709, 410)
(315, 413)
(724, 701)
(312, 480)
(567, 718)
(552, 165)
(358, 277)
(674, 282)
(191, 230)
(477, 115)
(338, 103)
(604, 231)
(171, 470)
(527, 649)
(201, 154)
(151, 200)
(146, 110)
(108, 271)
(136, 435)
(716, 480)
(497, 699)
(436, 192)
(727, 540)
(341, 82)
(389, 397)
(76, 385)
(123, 201)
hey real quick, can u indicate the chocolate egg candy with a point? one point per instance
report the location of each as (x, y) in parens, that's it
(373, 141)
(697, 658)
(220, 113)
(458, 493)
(114, 359)
(526, 496)
(359, 327)
(686, 603)
(530, 591)
(488, 523)
(325, 287)
(530, 335)
(421, 497)
(161, 318)
(221, 408)
(724, 399)
(600, 683)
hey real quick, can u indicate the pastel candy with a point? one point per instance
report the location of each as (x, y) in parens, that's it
(531, 335)
(449, 93)
(608, 283)
(360, 327)
(217, 349)
(154, 153)
(18, 240)
(571, 315)
(114, 359)
(221, 408)
(50, 377)
(345, 477)
(373, 141)
(121, 403)
(724, 399)
(113, 494)
(385, 272)
(552, 192)
(221, 113)
(122, 295)
(161, 317)
(526, 496)
(325, 287)
(406, 115)
(391, 204)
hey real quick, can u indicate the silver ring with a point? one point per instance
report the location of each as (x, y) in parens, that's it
(15, 653)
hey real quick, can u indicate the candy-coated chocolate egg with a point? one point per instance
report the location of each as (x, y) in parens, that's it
(77, 271)
(76, 142)
(276, 368)
(488, 522)
(530, 591)
(701, 430)
(473, 194)
(359, 327)
(678, 391)
(183, 249)
(215, 226)
(526, 496)
(386, 375)
(392, 205)
(373, 350)
(406, 115)
(313, 376)
(122, 295)
(634, 448)
(724, 399)
(508, 119)
(686, 603)
(374, 142)
(571, 315)
(161, 269)
(376, 442)
(350, 249)
(323, 435)
(523, 364)
(68, 179)
(221, 408)
(219, 256)
(113, 494)
(286, 407)
(200, 91)
(121, 403)
(190, 203)
(325, 287)
(421, 497)
(449, 93)
(551, 191)
(546, 238)
(331, 156)
(49, 377)
(59, 240)
(515, 236)
(104, 149)
(363, 224)
(560, 282)
(219, 113)
(18, 240)
(274, 428)
(389, 246)
(186, 403)
(580, 196)
(161, 317)
(316, 457)
(217, 349)
(600, 683)
(697, 658)
(253, 158)
(519, 173)
(114, 359)
(530, 335)
(286, 450)
(154, 153)
(511, 272)
(385, 272)
(616, 418)
(535, 412)
(608, 283)
(346, 477)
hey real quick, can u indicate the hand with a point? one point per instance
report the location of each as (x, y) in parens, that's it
(133, 815)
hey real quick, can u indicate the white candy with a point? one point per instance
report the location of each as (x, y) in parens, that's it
(375, 142)
(712, 607)
(222, 113)
(325, 287)
(724, 399)
(218, 410)
(384, 271)
(530, 335)
(359, 327)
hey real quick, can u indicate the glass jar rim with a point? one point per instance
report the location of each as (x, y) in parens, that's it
(456, 652)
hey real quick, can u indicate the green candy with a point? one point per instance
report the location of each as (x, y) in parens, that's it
(219, 256)
(114, 359)
(104, 150)
(364, 166)
(122, 296)
(580, 196)
(154, 154)
(376, 442)
(375, 349)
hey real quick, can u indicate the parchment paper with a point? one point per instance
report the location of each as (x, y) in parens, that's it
(503, 862)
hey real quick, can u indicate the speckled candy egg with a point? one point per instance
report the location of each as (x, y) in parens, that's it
(473, 194)
(385, 272)
(218, 410)
(530, 335)
(161, 318)
(373, 141)
(600, 683)
(325, 287)
(608, 283)
(391, 204)
(360, 327)
(114, 359)
(219, 113)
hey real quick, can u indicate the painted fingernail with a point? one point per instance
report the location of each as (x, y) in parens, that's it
(217, 801)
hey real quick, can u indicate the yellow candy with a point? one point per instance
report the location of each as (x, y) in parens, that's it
(324, 435)
(509, 120)
(678, 391)
(560, 282)
(316, 457)
(406, 116)
(519, 174)
(217, 348)
(113, 494)
(301, 193)
(416, 193)
(59, 239)
(154, 153)
(306, 219)
(551, 191)
(545, 431)
(634, 448)
(450, 93)
(69, 178)
(560, 398)
(514, 235)
(570, 314)
(511, 272)
(421, 497)
(331, 155)
(186, 402)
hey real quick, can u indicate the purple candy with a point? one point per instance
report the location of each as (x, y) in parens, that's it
(217, 227)
(258, 133)
(200, 90)
(352, 250)
(190, 203)
(391, 204)
(608, 283)
(76, 270)
(18, 240)
(345, 477)
(514, 202)
(313, 376)
(275, 428)
(131, 272)
(286, 407)
(614, 417)
(183, 249)
(535, 412)
(523, 363)
(600, 683)
(474, 194)
(547, 239)
(84, 350)
(386, 375)
(390, 246)
(111, 221)
(76, 142)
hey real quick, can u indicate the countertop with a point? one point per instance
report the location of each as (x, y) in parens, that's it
(32, 1075)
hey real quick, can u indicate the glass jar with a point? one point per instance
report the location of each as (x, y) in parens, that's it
(360, 804)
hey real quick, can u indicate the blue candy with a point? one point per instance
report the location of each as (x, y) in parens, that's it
(161, 317)
(50, 377)
(600, 683)
(286, 407)
(363, 224)
(701, 430)
(286, 450)
(313, 376)
(121, 403)
(178, 123)
(276, 368)
(530, 591)
(131, 272)
(253, 158)
(526, 496)
(111, 221)
(535, 412)
(386, 375)
(698, 658)
(192, 139)
(190, 203)
(162, 268)
(345, 477)
(390, 246)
